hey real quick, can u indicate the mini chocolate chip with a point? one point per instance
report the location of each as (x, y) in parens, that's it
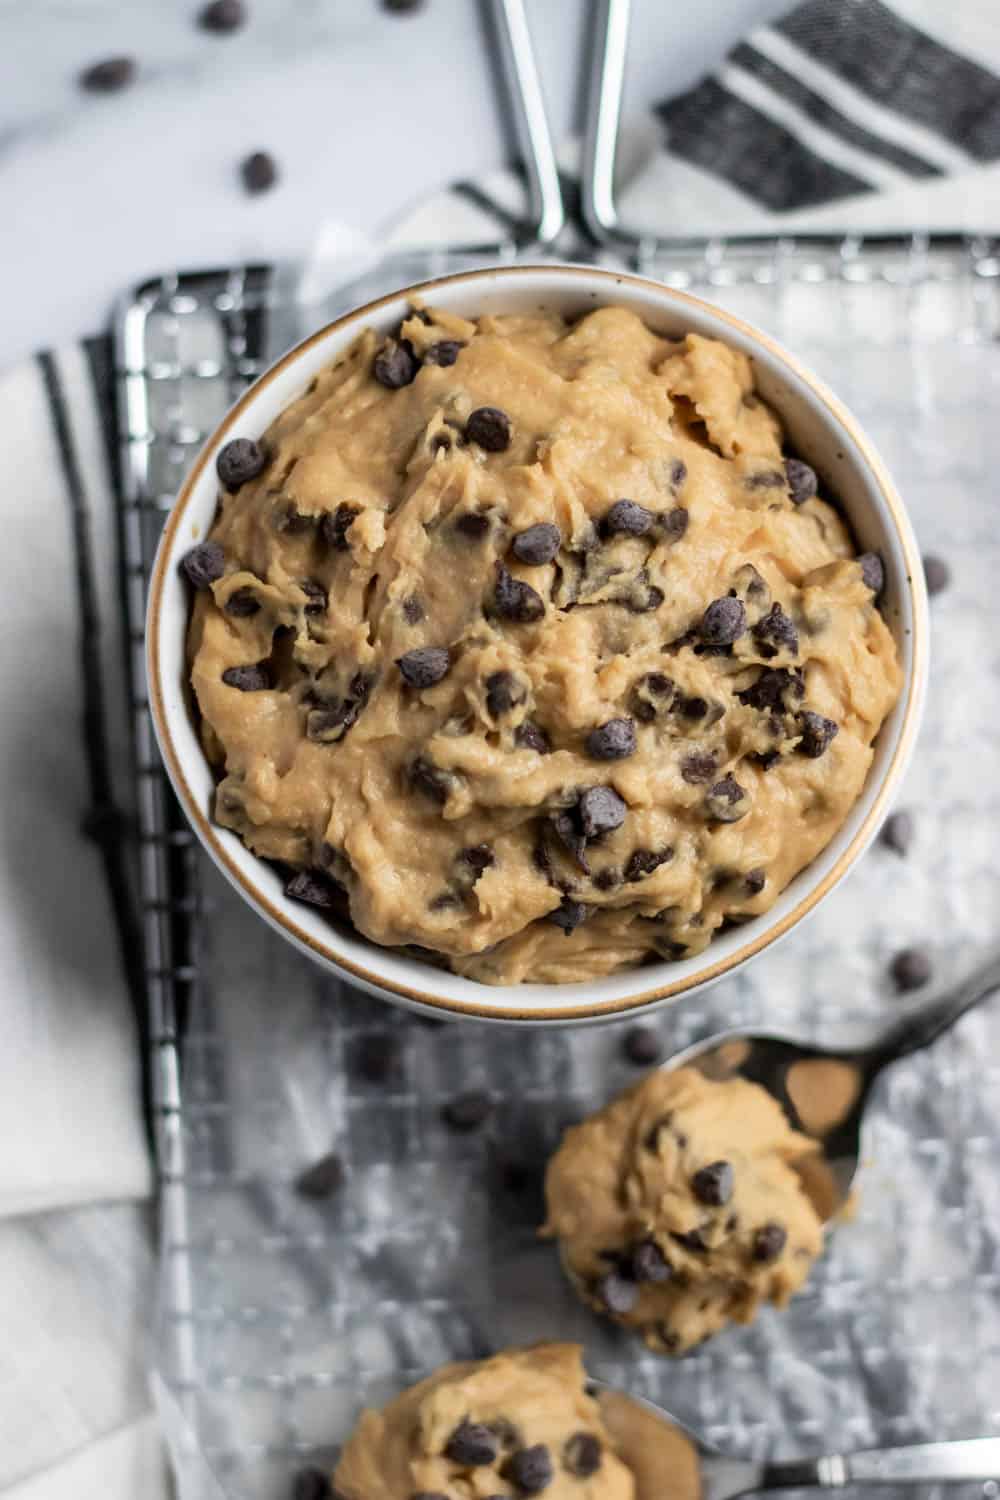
(817, 732)
(678, 473)
(413, 610)
(644, 861)
(607, 879)
(772, 687)
(675, 523)
(911, 969)
(754, 881)
(765, 479)
(503, 691)
(395, 365)
(528, 736)
(601, 810)
(627, 518)
(239, 461)
(109, 75)
(582, 1454)
(530, 1469)
(478, 857)
(468, 1110)
(692, 708)
(618, 1293)
(443, 353)
(646, 1263)
(642, 1045)
(566, 828)
(801, 480)
(312, 888)
(322, 1179)
(317, 596)
(331, 722)
(569, 915)
(515, 600)
(897, 832)
(699, 767)
(379, 1057)
(424, 666)
(658, 684)
(723, 622)
(203, 565)
(241, 604)
(769, 1242)
(872, 572)
(430, 779)
(642, 598)
(713, 1185)
(726, 801)
(222, 16)
(614, 740)
(937, 573)
(776, 632)
(764, 759)
(489, 428)
(259, 172)
(248, 679)
(336, 524)
(472, 525)
(537, 545)
(472, 1445)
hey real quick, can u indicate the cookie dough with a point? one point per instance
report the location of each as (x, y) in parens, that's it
(522, 642)
(679, 1209)
(513, 1425)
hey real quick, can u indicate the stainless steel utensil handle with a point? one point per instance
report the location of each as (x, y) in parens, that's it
(517, 54)
(919, 1463)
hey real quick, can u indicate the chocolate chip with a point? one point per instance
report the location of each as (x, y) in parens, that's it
(406, 8)
(769, 1242)
(241, 604)
(642, 597)
(515, 600)
(530, 1469)
(765, 479)
(379, 1057)
(801, 480)
(489, 428)
(430, 779)
(754, 882)
(528, 736)
(582, 1454)
(569, 915)
(322, 1179)
(413, 610)
(697, 708)
(776, 632)
(726, 801)
(313, 1484)
(472, 1445)
(723, 622)
(507, 1432)
(764, 759)
(317, 596)
(607, 879)
(627, 518)
(472, 525)
(222, 16)
(618, 1293)
(646, 1263)
(713, 1185)
(288, 521)
(872, 572)
(537, 545)
(444, 353)
(600, 810)
(566, 827)
(771, 689)
(817, 732)
(691, 1240)
(644, 861)
(614, 740)
(675, 523)
(424, 666)
(642, 1046)
(336, 524)
(699, 767)
(503, 691)
(478, 857)
(395, 365)
(911, 969)
(897, 832)
(936, 573)
(203, 565)
(467, 1111)
(248, 679)
(240, 461)
(331, 722)
(108, 76)
(678, 473)
(259, 172)
(312, 888)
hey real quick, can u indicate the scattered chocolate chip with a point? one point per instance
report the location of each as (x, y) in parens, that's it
(582, 1454)
(424, 666)
(618, 1293)
(322, 1179)
(726, 801)
(413, 610)
(754, 882)
(643, 862)
(601, 810)
(430, 779)
(769, 1242)
(627, 518)
(872, 572)
(248, 679)
(615, 740)
(765, 479)
(467, 1111)
(259, 172)
(515, 600)
(503, 691)
(646, 1263)
(222, 16)
(569, 915)
(776, 632)
(312, 888)
(336, 524)
(897, 832)
(203, 565)
(675, 523)
(817, 732)
(312, 1484)
(472, 1445)
(528, 736)
(379, 1057)
(444, 353)
(713, 1185)
(472, 525)
(699, 767)
(911, 969)
(537, 545)
(607, 879)
(108, 76)
(801, 480)
(489, 428)
(239, 461)
(936, 573)
(723, 622)
(530, 1469)
(642, 1045)
(395, 365)
(317, 596)
(769, 692)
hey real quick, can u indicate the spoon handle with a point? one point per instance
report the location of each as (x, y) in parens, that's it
(918, 1463)
(926, 1024)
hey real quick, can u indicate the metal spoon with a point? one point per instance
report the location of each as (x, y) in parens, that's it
(654, 1445)
(824, 1092)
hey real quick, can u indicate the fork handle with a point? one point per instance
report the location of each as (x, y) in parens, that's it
(917, 1463)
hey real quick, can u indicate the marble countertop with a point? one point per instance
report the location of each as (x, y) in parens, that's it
(364, 111)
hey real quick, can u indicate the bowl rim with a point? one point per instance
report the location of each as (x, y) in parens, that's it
(914, 681)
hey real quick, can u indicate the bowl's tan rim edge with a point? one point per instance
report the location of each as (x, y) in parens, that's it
(667, 991)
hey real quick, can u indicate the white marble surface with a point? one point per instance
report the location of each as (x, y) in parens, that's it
(365, 111)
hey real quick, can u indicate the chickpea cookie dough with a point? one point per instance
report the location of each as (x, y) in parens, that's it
(522, 642)
(678, 1208)
(515, 1425)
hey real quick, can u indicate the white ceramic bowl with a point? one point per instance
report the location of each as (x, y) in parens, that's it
(820, 428)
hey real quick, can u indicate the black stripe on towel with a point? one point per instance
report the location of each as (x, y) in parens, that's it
(823, 113)
(721, 134)
(903, 69)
